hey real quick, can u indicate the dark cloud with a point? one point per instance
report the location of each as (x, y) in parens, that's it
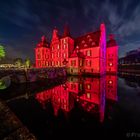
(24, 21)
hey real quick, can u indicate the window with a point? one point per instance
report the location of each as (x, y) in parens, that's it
(88, 62)
(73, 86)
(110, 64)
(52, 55)
(88, 95)
(73, 62)
(90, 40)
(64, 40)
(85, 45)
(89, 53)
(64, 46)
(80, 86)
(93, 43)
(58, 63)
(80, 63)
(83, 41)
(38, 56)
(64, 55)
(52, 48)
(58, 47)
(88, 86)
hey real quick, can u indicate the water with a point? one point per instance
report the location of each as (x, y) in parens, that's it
(106, 107)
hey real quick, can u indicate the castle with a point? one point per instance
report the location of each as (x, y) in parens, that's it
(87, 54)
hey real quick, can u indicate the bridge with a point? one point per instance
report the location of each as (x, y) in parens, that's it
(23, 75)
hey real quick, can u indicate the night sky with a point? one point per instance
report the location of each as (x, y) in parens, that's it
(23, 22)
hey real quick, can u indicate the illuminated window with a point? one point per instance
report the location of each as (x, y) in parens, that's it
(52, 63)
(110, 64)
(64, 41)
(93, 43)
(58, 63)
(73, 86)
(38, 56)
(58, 47)
(88, 86)
(88, 95)
(80, 86)
(88, 36)
(110, 81)
(52, 55)
(85, 45)
(73, 62)
(83, 41)
(64, 46)
(90, 40)
(80, 63)
(89, 53)
(64, 55)
(52, 48)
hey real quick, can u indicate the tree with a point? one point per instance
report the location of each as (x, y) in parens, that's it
(18, 62)
(2, 52)
(27, 62)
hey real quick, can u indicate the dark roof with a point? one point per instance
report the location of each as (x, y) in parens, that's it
(111, 43)
(43, 42)
(88, 40)
(77, 54)
(66, 31)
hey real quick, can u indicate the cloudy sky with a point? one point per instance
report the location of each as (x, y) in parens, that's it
(23, 22)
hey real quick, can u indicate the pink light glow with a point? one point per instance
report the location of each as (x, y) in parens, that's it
(90, 53)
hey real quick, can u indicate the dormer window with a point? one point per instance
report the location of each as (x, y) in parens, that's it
(88, 36)
(83, 41)
(93, 43)
(85, 45)
(90, 40)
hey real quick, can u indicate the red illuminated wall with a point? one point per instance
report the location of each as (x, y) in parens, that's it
(90, 93)
(112, 56)
(89, 53)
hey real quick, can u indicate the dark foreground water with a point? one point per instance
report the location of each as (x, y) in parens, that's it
(70, 108)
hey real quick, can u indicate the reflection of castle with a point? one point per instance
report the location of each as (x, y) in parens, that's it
(86, 54)
(90, 93)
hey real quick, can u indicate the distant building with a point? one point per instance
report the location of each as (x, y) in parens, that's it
(87, 54)
(131, 62)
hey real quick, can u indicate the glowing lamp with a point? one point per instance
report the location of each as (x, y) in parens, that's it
(110, 82)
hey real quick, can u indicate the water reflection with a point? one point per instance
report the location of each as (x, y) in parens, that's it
(89, 93)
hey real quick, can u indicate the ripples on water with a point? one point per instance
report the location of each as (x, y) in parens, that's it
(85, 106)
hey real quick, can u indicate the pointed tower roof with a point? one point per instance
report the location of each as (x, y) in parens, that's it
(43, 42)
(55, 34)
(66, 31)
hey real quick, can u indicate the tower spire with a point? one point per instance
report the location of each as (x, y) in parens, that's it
(66, 31)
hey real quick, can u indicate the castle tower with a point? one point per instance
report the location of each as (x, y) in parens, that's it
(42, 53)
(102, 59)
(55, 49)
(67, 46)
(112, 56)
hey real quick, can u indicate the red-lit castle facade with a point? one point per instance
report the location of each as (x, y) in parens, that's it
(87, 54)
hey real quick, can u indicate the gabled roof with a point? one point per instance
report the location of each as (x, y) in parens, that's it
(77, 54)
(89, 40)
(43, 43)
(112, 41)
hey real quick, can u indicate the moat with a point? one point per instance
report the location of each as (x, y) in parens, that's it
(76, 107)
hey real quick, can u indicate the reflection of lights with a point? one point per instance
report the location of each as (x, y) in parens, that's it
(110, 64)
